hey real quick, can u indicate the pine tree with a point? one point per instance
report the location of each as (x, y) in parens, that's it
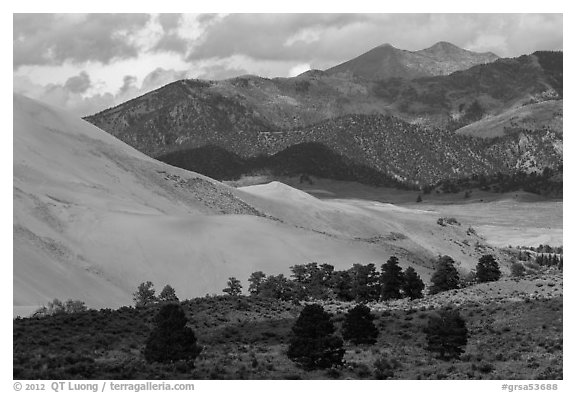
(341, 284)
(145, 295)
(358, 326)
(256, 279)
(445, 276)
(234, 287)
(413, 284)
(168, 294)
(313, 344)
(171, 340)
(391, 279)
(487, 269)
(279, 287)
(365, 286)
(447, 334)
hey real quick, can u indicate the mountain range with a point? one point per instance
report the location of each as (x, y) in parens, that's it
(394, 112)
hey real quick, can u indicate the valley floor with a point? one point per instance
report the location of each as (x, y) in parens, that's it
(507, 219)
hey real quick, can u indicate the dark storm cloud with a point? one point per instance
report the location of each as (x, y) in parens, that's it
(79, 83)
(50, 39)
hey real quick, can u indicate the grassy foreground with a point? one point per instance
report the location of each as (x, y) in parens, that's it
(247, 338)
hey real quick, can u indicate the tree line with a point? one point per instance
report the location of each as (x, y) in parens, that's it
(313, 281)
(362, 283)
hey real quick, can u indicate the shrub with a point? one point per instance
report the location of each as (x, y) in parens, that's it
(487, 269)
(445, 276)
(358, 326)
(452, 221)
(56, 307)
(485, 367)
(313, 344)
(383, 368)
(171, 340)
(447, 334)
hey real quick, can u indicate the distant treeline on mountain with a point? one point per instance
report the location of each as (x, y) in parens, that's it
(548, 183)
(389, 152)
(308, 158)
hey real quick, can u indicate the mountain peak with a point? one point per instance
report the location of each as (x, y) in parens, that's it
(444, 44)
(386, 45)
(386, 61)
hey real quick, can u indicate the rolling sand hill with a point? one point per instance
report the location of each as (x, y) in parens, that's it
(93, 218)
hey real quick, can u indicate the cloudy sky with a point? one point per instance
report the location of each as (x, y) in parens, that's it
(89, 62)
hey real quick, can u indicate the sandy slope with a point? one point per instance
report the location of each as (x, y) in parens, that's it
(93, 218)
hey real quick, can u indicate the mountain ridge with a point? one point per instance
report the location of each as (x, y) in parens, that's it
(386, 61)
(251, 115)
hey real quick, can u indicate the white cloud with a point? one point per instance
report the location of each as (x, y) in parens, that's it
(298, 69)
(305, 36)
(53, 54)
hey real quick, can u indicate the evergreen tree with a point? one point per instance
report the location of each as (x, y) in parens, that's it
(312, 281)
(413, 284)
(445, 276)
(279, 287)
(168, 294)
(365, 285)
(145, 295)
(341, 285)
(313, 344)
(487, 269)
(447, 334)
(256, 280)
(171, 340)
(391, 280)
(358, 326)
(234, 287)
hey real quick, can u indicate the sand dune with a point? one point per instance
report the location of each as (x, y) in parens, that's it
(93, 218)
